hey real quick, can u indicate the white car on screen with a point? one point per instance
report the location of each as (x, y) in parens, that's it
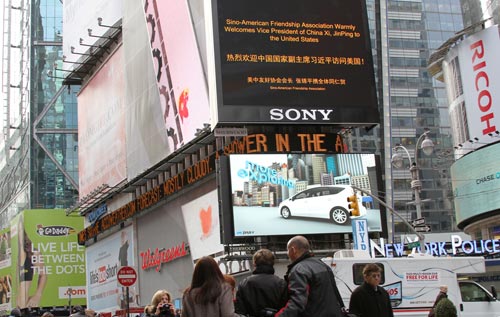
(328, 202)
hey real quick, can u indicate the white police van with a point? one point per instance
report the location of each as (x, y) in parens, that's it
(413, 282)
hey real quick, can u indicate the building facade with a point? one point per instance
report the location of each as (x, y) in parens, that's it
(40, 152)
(404, 35)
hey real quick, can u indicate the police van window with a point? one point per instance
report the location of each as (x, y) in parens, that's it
(357, 272)
(473, 293)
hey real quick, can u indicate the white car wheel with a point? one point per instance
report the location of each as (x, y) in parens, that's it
(285, 213)
(339, 215)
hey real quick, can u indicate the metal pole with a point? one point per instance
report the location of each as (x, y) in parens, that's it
(70, 290)
(128, 304)
(416, 185)
(420, 236)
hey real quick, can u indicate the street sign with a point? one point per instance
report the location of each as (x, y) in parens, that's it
(424, 228)
(414, 244)
(127, 276)
(230, 132)
(418, 221)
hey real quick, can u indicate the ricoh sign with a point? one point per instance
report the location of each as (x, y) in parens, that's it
(479, 64)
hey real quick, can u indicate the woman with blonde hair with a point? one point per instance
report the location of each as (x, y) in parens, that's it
(209, 293)
(161, 305)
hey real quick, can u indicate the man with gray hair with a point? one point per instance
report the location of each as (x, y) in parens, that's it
(312, 290)
(262, 293)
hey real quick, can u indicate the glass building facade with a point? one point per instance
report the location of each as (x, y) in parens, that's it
(47, 159)
(404, 35)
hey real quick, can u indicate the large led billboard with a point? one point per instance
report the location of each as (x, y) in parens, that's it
(476, 183)
(291, 62)
(286, 194)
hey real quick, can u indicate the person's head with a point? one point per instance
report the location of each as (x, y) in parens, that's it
(296, 247)
(47, 314)
(16, 312)
(263, 257)
(372, 273)
(208, 278)
(78, 309)
(123, 236)
(443, 289)
(206, 269)
(160, 296)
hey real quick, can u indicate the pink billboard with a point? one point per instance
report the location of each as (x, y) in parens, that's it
(101, 127)
(179, 73)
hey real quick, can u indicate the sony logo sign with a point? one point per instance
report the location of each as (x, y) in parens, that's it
(291, 114)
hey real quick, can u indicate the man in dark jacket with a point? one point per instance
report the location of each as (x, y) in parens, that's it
(262, 289)
(369, 299)
(312, 291)
(443, 293)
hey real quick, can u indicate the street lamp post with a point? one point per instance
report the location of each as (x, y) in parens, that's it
(427, 147)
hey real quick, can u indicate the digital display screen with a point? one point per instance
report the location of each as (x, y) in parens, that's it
(290, 61)
(285, 194)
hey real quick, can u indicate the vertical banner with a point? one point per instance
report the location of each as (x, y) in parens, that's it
(103, 262)
(5, 272)
(179, 72)
(101, 125)
(360, 234)
(481, 82)
(201, 218)
(48, 264)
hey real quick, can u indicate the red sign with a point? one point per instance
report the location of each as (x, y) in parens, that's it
(159, 256)
(127, 276)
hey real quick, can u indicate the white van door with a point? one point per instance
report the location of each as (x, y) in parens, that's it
(476, 301)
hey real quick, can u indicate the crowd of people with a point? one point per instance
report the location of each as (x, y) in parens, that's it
(308, 289)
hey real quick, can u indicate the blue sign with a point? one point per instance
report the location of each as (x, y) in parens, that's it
(360, 234)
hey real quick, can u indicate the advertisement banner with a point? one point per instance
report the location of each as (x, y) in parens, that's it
(48, 265)
(103, 262)
(87, 22)
(180, 78)
(479, 65)
(147, 141)
(101, 126)
(291, 62)
(5, 272)
(201, 219)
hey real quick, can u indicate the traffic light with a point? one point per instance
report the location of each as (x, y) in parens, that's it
(353, 205)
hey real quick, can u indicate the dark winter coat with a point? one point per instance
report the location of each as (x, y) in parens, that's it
(261, 290)
(440, 296)
(312, 291)
(368, 302)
